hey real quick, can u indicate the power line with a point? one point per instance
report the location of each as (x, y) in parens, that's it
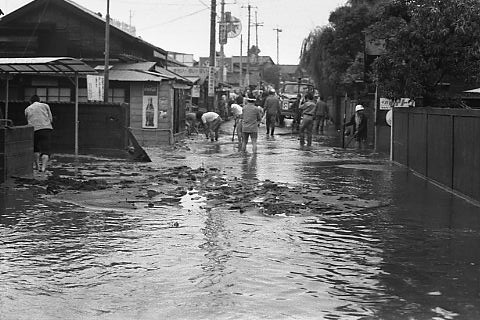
(174, 19)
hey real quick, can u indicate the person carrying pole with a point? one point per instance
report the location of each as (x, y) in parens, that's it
(358, 121)
(237, 112)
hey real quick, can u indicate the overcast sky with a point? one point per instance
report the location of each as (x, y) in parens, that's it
(184, 25)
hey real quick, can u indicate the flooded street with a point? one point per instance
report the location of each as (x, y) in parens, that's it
(324, 233)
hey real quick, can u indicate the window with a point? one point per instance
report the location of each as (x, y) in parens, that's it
(49, 94)
(52, 94)
(115, 95)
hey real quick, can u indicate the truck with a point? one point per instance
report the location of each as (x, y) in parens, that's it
(288, 96)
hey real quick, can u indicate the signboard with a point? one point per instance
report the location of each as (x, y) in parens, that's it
(211, 81)
(199, 72)
(404, 103)
(150, 106)
(95, 87)
(196, 91)
(234, 27)
(385, 104)
(222, 33)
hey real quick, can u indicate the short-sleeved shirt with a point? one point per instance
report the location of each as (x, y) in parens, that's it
(252, 115)
(308, 108)
(236, 109)
(39, 116)
(209, 116)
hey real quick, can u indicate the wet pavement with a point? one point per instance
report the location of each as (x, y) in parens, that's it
(206, 232)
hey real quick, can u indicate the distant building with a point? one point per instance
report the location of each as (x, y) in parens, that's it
(236, 69)
(291, 72)
(184, 58)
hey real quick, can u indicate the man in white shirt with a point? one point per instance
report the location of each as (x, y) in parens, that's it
(211, 122)
(237, 112)
(40, 117)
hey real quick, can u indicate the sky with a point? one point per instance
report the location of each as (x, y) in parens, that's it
(184, 25)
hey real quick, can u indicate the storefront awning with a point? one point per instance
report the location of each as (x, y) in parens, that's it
(194, 80)
(51, 66)
(61, 66)
(135, 76)
(473, 91)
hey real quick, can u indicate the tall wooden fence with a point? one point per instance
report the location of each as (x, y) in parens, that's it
(441, 144)
(102, 127)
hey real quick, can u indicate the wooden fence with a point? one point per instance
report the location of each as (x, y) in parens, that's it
(102, 127)
(440, 144)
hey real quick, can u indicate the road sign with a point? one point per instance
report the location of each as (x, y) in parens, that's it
(234, 27)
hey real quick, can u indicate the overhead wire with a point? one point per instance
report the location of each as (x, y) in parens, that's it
(174, 19)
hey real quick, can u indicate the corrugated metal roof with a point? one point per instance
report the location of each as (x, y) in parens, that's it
(135, 76)
(170, 74)
(141, 66)
(473, 91)
(50, 65)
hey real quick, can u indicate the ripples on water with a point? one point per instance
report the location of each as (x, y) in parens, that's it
(402, 261)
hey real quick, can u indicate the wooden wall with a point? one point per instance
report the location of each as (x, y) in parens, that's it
(440, 144)
(158, 136)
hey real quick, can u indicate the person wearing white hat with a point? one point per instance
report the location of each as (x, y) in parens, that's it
(358, 121)
(252, 115)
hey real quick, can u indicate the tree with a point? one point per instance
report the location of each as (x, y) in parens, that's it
(272, 75)
(428, 42)
(332, 54)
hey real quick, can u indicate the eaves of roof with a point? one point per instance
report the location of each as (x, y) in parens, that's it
(68, 4)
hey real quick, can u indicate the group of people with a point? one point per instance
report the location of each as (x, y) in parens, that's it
(252, 110)
(247, 115)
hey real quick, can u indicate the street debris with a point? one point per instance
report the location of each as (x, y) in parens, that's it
(163, 188)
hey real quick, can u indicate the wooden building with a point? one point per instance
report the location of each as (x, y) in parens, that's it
(62, 28)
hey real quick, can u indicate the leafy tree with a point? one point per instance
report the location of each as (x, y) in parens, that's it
(272, 75)
(428, 42)
(331, 54)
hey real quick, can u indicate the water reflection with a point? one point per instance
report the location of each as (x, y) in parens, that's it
(414, 257)
(249, 167)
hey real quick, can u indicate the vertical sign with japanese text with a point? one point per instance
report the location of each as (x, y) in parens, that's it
(95, 87)
(211, 81)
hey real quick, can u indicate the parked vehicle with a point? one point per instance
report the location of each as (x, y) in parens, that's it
(288, 97)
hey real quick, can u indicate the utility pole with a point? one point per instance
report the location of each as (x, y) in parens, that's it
(211, 89)
(240, 81)
(222, 27)
(249, 7)
(278, 48)
(107, 54)
(257, 24)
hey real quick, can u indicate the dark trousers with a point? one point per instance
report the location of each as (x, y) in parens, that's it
(270, 123)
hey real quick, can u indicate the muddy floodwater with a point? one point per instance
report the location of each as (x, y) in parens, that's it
(324, 233)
